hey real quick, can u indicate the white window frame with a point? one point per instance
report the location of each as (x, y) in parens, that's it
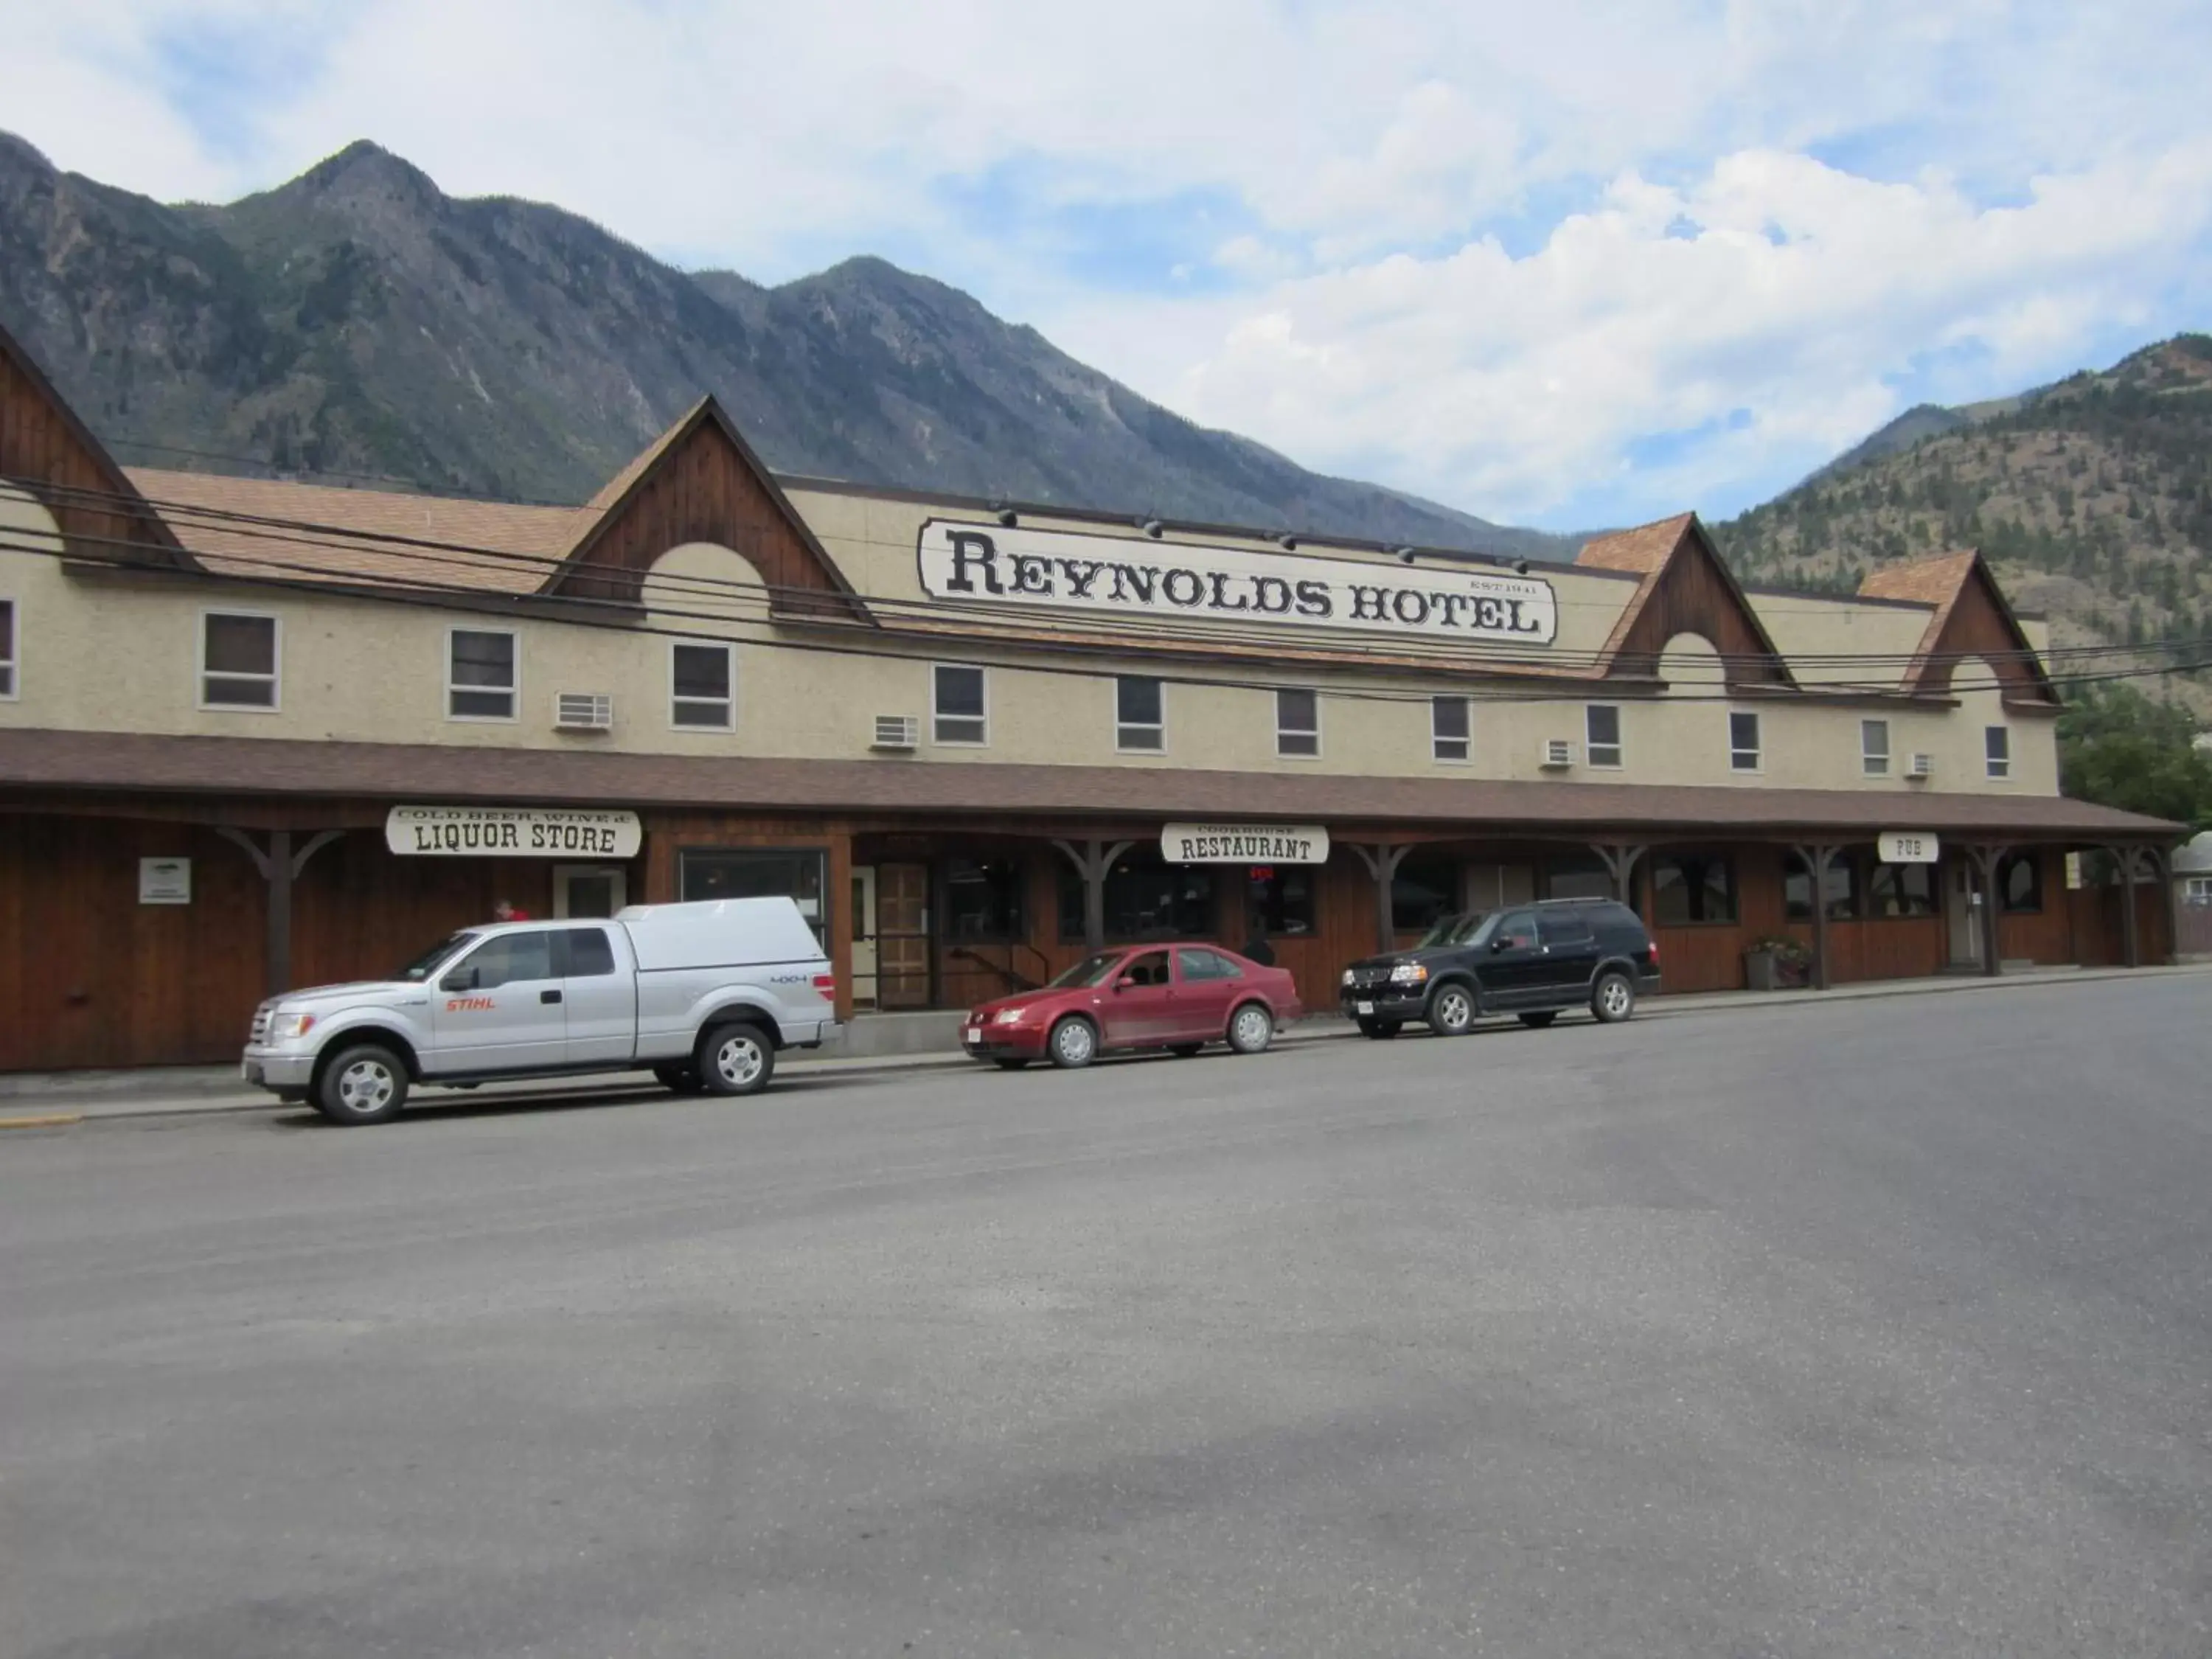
(984, 675)
(12, 664)
(1758, 750)
(677, 699)
(2196, 890)
(201, 672)
(1122, 728)
(1998, 768)
(1873, 765)
(1438, 740)
(1282, 730)
(1618, 746)
(514, 691)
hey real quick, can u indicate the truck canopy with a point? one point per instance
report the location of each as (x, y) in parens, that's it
(718, 934)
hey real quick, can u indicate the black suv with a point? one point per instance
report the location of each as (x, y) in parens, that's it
(1532, 960)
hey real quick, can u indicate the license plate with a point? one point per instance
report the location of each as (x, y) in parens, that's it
(1363, 1008)
(971, 1037)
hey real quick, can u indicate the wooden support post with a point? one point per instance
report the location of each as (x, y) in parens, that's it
(279, 867)
(1620, 860)
(1092, 861)
(2131, 939)
(2161, 865)
(1986, 858)
(1818, 857)
(1383, 863)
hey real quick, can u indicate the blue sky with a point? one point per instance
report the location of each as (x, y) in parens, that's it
(1572, 265)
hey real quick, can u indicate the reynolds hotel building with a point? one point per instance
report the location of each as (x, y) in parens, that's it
(256, 734)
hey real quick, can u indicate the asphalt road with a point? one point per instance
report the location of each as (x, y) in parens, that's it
(1877, 1328)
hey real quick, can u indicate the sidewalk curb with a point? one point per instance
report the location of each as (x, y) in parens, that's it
(46, 1120)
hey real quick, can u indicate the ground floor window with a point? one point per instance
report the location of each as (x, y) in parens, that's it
(983, 900)
(1841, 889)
(801, 874)
(1426, 888)
(1584, 877)
(1146, 897)
(1278, 899)
(1691, 887)
(1900, 889)
(2019, 882)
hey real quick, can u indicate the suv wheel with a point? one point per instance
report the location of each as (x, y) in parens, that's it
(1451, 1009)
(736, 1059)
(1614, 997)
(367, 1084)
(1378, 1029)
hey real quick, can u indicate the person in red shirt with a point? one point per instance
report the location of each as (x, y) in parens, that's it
(504, 911)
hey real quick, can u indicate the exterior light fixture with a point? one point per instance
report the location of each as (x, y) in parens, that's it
(1520, 567)
(1405, 555)
(1287, 541)
(1153, 527)
(1008, 517)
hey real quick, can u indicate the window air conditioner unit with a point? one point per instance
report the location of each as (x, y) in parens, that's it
(896, 732)
(1921, 766)
(1558, 754)
(583, 711)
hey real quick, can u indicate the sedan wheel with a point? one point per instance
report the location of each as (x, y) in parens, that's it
(1451, 1011)
(1073, 1043)
(1251, 1028)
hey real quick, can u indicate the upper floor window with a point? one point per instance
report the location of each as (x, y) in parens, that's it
(6, 648)
(1997, 746)
(1297, 722)
(1448, 728)
(1873, 748)
(1743, 743)
(1601, 733)
(956, 709)
(481, 679)
(238, 659)
(1140, 716)
(701, 682)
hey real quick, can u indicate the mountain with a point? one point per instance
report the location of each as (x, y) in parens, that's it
(2092, 497)
(359, 321)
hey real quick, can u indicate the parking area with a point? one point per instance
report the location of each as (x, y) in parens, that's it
(1861, 1326)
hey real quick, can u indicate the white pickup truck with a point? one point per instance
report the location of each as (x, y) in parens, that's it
(703, 995)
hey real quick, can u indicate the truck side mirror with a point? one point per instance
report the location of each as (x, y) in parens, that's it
(461, 979)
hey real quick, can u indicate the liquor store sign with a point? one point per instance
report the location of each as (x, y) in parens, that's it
(1245, 843)
(512, 832)
(1146, 581)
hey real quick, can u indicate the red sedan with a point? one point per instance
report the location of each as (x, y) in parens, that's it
(1177, 997)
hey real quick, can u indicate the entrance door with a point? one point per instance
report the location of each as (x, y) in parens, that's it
(1962, 905)
(501, 1005)
(864, 966)
(903, 935)
(585, 891)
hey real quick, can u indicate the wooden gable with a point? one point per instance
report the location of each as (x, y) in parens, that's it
(1686, 589)
(701, 481)
(1972, 619)
(45, 450)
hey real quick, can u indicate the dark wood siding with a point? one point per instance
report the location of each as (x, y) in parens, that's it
(1979, 625)
(702, 491)
(40, 444)
(1693, 595)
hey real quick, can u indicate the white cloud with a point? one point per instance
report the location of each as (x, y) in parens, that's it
(1486, 252)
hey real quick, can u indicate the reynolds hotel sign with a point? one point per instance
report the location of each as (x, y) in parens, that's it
(1062, 570)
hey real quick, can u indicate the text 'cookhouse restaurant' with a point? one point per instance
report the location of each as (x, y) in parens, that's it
(256, 733)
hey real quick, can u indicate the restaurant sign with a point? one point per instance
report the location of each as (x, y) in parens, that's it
(1152, 581)
(511, 832)
(1245, 843)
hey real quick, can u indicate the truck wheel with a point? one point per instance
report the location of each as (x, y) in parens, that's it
(736, 1059)
(1073, 1043)
(1612, 999)
(362, 1084)
(680, 1080)
(1380, 1030)
(1451, 1010)
(1251, 1028)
